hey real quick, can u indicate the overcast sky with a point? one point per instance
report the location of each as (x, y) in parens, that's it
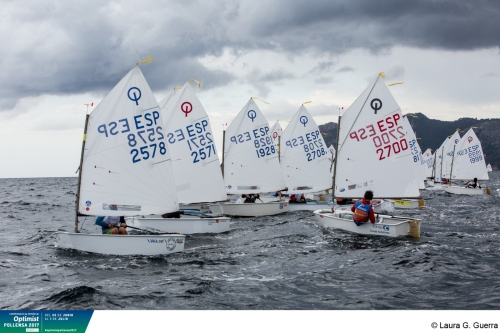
(58, 55)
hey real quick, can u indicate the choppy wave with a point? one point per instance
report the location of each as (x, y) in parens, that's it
(278, 262)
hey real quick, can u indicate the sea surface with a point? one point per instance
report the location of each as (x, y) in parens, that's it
(275, 262)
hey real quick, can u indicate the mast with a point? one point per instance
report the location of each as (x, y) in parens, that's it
(279, 148)
(433, 175)
(441, 171)
(452, 159)
(223, 150)
(80, 173)
(335, 165)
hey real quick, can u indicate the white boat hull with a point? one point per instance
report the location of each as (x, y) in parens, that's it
(386, 226)
(465, 190)
(250, 209)
(186, 225)
(309, 205)
(121, 244)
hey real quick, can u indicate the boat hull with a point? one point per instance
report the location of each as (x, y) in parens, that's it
(465, 190)
(387, 226)
(309, 205)
(250, 209)
(187, 225)
(121, 244)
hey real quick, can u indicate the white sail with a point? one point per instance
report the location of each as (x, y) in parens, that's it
(126, 160)
(428, 162)
(468, 162)
(373, 151)
(304, 156)
(276, 131)
(448, 154)
(251, 158)
(197, 172)
(488, 168)
(415, 152)
(438, 166)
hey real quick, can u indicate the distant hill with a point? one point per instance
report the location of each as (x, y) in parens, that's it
(433, 132)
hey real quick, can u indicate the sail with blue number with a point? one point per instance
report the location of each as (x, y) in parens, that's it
(198, 176)
(251, 156)
(126, 161)
(305, 159)
(428, 162)
(448, 154)
(468, 162)
(416, 153)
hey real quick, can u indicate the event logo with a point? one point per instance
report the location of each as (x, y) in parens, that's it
(252, 115)
(386, 227)
(376, 104)
(229, 187)
(136, 94)
(469, 139)
(170, 243)
(88, 203)
(342, 189)
(275, 135)
(456, 141)
(303, 120)
(186, 108)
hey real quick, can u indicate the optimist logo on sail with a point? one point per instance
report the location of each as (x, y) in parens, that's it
(303, 120)
(252, 114)
(136, 94)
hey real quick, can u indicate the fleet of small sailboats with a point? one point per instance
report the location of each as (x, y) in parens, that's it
(141, 159)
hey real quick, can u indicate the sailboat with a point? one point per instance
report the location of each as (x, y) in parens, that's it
(488, 168)
(197, 173)
(372, 149)
(305, 160)
(428, 163)
(250, 164)
(435, 183)
(125, 170)
(448, 155)
(468, 163)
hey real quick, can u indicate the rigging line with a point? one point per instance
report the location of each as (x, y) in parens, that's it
(360, 110)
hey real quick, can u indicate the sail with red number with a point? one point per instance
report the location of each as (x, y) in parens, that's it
(373, 151)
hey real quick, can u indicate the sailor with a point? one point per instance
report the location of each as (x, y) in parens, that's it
(249, 198)
(473, 184)
(363, 210)
(297, 198)
(112, 225)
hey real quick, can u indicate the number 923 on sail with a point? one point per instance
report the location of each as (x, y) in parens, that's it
(142, 135)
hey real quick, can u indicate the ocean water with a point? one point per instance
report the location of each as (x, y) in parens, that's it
(276, 262)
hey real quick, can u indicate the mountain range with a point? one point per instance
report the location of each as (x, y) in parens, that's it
(432, 132)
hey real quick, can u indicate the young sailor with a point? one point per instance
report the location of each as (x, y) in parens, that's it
(473, 184)
(363, 210)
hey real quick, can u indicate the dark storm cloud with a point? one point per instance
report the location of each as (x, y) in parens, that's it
(70, 47)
